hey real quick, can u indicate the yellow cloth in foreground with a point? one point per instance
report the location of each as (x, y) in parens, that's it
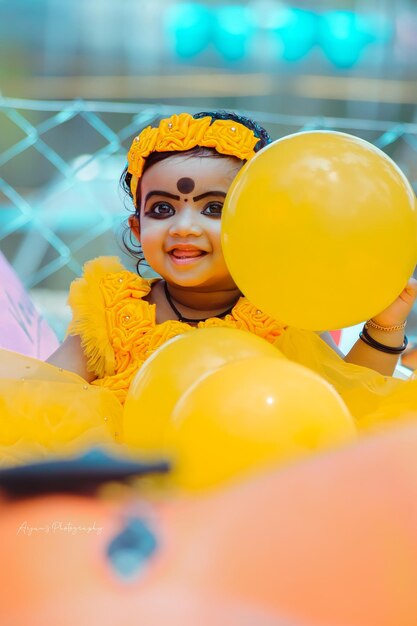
(45, 410)
(373, 399)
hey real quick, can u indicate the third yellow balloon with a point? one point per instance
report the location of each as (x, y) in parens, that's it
(253, 414)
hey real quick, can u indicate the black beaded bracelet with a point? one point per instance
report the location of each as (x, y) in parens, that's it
(370, 341)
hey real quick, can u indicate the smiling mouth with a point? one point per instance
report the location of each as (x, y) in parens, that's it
(186, 254)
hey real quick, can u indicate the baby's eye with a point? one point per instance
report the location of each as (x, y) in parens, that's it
(159, 210)
(213, 209)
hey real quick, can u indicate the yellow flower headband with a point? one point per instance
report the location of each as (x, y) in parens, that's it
(182, 132)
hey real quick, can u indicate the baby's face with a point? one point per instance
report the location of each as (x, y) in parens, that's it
(181, 206)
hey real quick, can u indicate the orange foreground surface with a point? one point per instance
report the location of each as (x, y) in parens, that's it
(331, 541)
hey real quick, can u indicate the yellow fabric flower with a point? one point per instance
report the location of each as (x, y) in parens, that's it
(141, 147)
(248, 317)
(230, 138)
(181, 132)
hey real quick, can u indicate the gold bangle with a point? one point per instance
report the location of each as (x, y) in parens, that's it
(385, 329)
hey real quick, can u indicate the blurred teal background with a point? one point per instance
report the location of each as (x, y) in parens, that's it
(79, 78)
(328, 57)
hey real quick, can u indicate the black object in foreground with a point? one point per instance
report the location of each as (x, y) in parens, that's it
(79, 474)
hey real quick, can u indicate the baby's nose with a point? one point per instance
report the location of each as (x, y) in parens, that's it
(186, 222)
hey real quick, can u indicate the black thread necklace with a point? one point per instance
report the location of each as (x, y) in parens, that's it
(188, 320)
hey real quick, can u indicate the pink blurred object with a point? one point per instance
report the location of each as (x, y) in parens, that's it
(22, 328)
(336, 335)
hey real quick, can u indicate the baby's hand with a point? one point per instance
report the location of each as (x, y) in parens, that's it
(399, 310)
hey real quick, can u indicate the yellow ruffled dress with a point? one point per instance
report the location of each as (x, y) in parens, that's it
(118, 327)
(44, 409)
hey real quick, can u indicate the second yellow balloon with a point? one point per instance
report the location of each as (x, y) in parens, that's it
(171, 371)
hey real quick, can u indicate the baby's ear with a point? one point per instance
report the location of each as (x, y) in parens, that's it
(134, 226)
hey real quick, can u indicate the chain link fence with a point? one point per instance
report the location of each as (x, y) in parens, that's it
(60, 162)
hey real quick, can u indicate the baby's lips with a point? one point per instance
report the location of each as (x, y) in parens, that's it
(182, 253)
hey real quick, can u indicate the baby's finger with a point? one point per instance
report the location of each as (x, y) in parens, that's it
(409, 293)
(411, 287)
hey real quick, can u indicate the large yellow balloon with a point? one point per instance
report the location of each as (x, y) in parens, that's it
(331, 225)
(251, 414)
(171, 370)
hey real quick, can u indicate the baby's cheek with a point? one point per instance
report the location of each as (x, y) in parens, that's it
(215, 233)
(150, 237)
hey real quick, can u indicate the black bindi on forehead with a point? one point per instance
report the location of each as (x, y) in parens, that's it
(185, 185)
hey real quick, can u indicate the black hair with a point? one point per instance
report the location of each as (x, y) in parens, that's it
(129, 243)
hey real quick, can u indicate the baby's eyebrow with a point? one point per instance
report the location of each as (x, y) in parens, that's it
(209, 193)
(164, 194)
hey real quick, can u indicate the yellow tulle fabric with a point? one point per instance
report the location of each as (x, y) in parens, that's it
(375, 401)
(118, 327)
(46, 411)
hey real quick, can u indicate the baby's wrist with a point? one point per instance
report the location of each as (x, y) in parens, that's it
(383, 327)
(393, 342)
(391, 336)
